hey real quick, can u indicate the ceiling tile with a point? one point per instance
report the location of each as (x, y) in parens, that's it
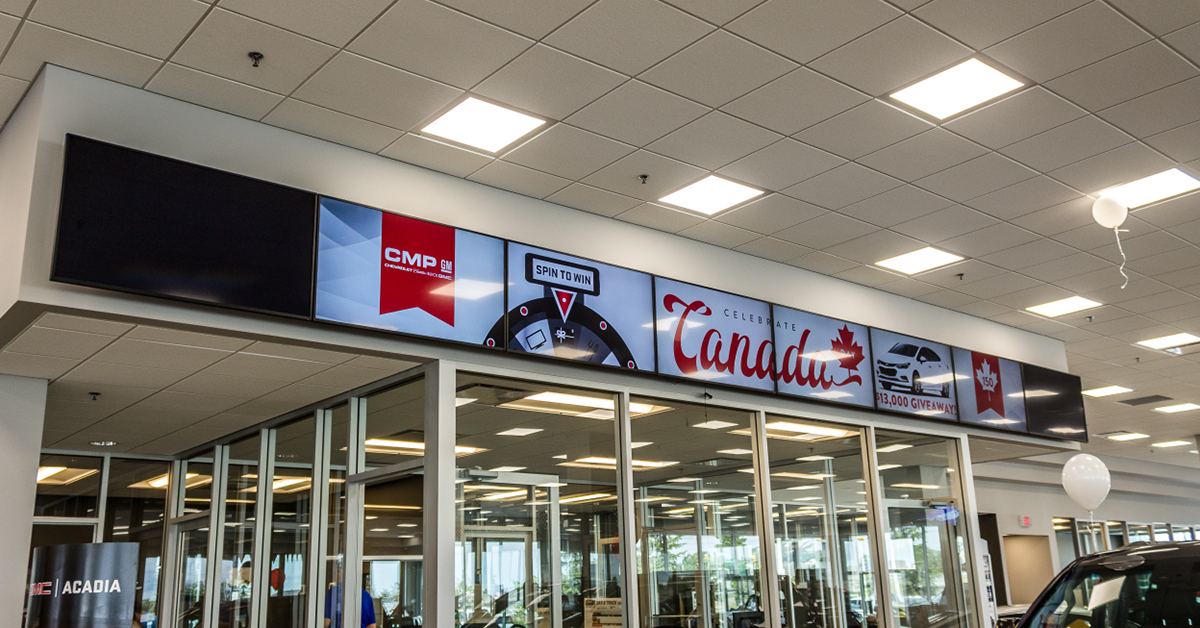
(715, 11)
(36, 45)
(382, 364)
(298, 352)
(548, 82)
(346, 377)
(54, 320)
(845, 185)
(1090, 284)
(908, 287)
(58, 343)
(11, 92)
(864, 129)
(188, 338)
(628, 36)
(988, 240)
(867, 276)
(825, 231)
(661, 218)
(773, 249)
(568, 152)
(795, 101)
(804, 31)
(1158, 111)
(219, 46)
(593, 200)
(15, 7)
(891, 56)
(363, 88)
(637, 113)
(435, 155)
(895, 206)
(285, 400)
(1125, 76)
(531, 18)
(1085, 35)
(983, 309)
(718, 69)
(208, 383)
(664, 176)
(1167, 261)
(823, 263)
(947, 298)
(254, 366)
(721, 234)
(94, 372)
(1029, 297)
(333, 23)
(1144, 246)
(160, 355)
(993, 287)
(327, 124)
(1091, 235)
(976, 177)
(961, 273)
(1180, 144)
(1173, 212)
(433, 41)
(1067, 144)
(714, 141)
(923, 155)
(151, 27)
(39, 366)
(781, 164)
(173, 401)
(873, 247)
(1029, 254)
(1015, 118)
(519, 179)
(981, 23)
(1117, 166)
(1160, 16)
(948, 223)
(770, 214)
(213, 92)
(1024, 198)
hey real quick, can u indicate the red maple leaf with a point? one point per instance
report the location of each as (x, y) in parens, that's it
(852, 352)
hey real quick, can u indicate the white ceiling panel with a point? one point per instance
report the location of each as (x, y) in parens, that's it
(163, 355)
(214, 92)
(718, 69)
(122, 375)
(1160, 16)
(1030, 254)
(297, 352)
(977, 177)
(569, 152)
(439, 43)
(333, 23)
(1070, 266)
(1120, 165)
(804, 31)
(864, 129)
(15, 7)
(1123, 76)
(11, 92)
(1158, 111)
(331, 125)
(58, 343)
(721, 234)
(1024, 198)
(549, 82)
(944, 224)
(435, 155)
(876, 246)
(1181, 144)
(824, 263)
(988, 240)
(892, 56)
(151, 27)
(346, 377)
(922, 155)
(825, 231)
(519, 179)
(605, 34)
(773, 249)
(39, 366)
(1067, 144)
(981, 23)
(594, 200)
(36, 44)
(1015, 118)
(714, 140)
(266, 367)
(364, 88)
(845, 185)
(894, 207)
(795, 101)
(54, 320)
(867, 276)
(770, 214)
(531, 18)
(661, 218)
(208, 383)
(716, 11)
(637, 113)
(1172, 212)
(663, 176)
(781, 165)
(171, 400)
(188, 338)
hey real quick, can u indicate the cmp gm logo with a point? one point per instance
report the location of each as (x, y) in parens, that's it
(417, 267)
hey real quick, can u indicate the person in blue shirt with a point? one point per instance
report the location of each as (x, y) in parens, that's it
(333, 608)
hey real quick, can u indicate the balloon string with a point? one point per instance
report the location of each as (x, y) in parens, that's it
(1120, 248)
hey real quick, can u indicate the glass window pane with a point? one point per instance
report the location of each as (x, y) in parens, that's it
(137, 502)
(191, 573)
(1162, 533)
(929, 566)
(536, 539)
(395, 430)
(67, 486)
(291, 516)
(1116, 535)
(1139, 533)
(198, 492)
(392, 544)
(241, 491)
(695, 504)
(819, 509)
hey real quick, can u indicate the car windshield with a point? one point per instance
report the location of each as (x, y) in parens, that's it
(1135, 590)
(904, 349)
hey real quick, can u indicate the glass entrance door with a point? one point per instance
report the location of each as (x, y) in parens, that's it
(191, 572)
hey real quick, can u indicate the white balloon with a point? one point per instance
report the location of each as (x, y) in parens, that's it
(1087, 481)
(1109, 212)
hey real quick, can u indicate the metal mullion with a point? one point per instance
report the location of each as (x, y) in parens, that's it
(967, 515)
(176, 485)
(769, 573)
(352, 561)
(260, 557)
(627, 525)
(318, 520)
(878, 523)
(216, 536)
(440, 514)
(102, 503)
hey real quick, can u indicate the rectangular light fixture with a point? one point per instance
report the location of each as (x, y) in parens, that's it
(1106, 391)
(1153, 188)
(682, 480)
(482, 125)
(45, 472)
(927, 487)
(815, 458)
(919, 261)
(507, 469)
(599, 407)
(1167, 342)
(800, 428)
(735, 452)
(893, 448)
(963, 86)
(885, 467)
(519, 431)
(574, 499)
(409, 448)
(1124, 436)
(714, 425)
(711, 195)
(1172, 443)
(1060, 307)
(1182, 407)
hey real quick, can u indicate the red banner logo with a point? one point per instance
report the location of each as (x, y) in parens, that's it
(989, 393)
(417, 267)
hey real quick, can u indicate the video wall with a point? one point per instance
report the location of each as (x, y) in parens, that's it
(383, 271)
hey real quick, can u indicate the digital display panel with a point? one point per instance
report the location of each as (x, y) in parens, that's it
(713, 336)
(385, 271)
(1054, 404)
(913, 376)
(140, 223)
(572, 308)
(823, 358)
(990, 390)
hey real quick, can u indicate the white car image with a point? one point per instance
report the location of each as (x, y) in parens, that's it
(915, 367)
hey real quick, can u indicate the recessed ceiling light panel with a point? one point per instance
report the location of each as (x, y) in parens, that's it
(711, 195)
(483, 125)
(919, 261)
(1183, 407)
(1172, 443)
(963, 86)
(1167, 342)
(1153, 188)
(1107, 390)
(1124, 436)
(1060, 307)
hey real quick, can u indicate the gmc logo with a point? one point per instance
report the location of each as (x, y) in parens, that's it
(39, 588)
(411, 259)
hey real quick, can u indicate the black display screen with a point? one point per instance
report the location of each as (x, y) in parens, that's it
(1054, 404)
(146, 224)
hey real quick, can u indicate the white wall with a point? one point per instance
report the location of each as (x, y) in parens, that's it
(85, 105)
(18, 146)
(22, 410)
